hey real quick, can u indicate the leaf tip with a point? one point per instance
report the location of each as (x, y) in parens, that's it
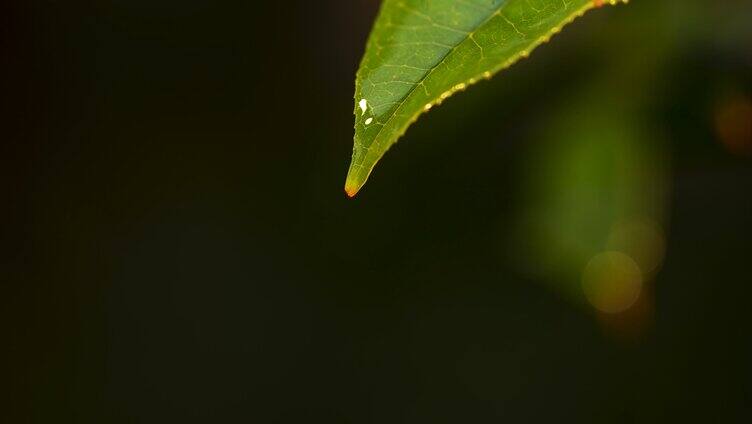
(360, 168)
(352, 185)
(351, 190)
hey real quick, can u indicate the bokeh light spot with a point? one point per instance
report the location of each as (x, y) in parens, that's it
(733, 124)
(612, 282)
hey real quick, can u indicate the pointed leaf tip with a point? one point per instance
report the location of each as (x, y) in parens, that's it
(351, 191)
(353, 183)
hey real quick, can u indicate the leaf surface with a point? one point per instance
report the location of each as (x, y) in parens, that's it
(420, 52)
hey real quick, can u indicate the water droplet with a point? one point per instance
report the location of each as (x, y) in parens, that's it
(363, 103)
(428, 106)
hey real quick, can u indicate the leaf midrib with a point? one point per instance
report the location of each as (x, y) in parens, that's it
(434, 67)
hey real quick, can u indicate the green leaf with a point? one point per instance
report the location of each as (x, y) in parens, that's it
(420, 52)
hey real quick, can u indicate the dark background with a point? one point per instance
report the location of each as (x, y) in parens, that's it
(177, 246)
